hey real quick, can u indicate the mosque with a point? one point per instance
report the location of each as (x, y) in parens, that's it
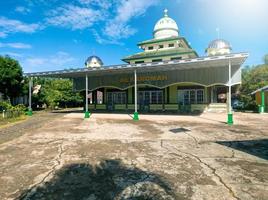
(166, 76)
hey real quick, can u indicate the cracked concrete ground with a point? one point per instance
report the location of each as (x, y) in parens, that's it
(109, 156)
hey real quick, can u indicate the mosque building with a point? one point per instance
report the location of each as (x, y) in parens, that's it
(166, 76)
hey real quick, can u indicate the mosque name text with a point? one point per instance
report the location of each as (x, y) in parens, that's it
(144, 78)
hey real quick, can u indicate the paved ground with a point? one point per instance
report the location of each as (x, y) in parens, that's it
(109, 156)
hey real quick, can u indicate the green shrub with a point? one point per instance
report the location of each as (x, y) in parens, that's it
(20, 107)
(4, 105)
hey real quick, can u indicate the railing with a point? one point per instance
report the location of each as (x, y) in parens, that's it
(6, 114)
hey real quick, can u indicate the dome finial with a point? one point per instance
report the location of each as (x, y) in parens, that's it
(165, 13)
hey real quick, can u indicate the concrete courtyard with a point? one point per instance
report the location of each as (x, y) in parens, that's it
(110, 156)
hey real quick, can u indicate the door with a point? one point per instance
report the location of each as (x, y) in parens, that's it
(110, 103)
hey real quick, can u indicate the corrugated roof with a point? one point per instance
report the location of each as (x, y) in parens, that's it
(212, 61)
(265, 88)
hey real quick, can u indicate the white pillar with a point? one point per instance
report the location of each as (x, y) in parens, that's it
(135, 85)
(29, 113)
(86, 93)
(230, 89)
(30, 93)
(136, 115)
(87, 114)
(230, 114)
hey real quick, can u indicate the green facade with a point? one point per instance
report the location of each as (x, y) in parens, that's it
(181, 51)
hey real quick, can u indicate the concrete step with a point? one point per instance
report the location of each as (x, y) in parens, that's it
(217, 107)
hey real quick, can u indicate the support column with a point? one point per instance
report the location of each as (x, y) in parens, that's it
(87, 113)
(206, 95)
(30, 111)
(230, 113)
(211, 94)
(262, 106)
(95, 99)
(136, 115)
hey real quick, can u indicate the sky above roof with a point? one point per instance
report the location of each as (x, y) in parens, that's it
(60, 34)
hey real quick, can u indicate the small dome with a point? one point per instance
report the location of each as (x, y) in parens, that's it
(93, 61)
(166, 27)
(218, 47)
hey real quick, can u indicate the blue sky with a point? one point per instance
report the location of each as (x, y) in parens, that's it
(59, 34)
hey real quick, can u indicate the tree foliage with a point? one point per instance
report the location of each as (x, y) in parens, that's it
(266, 59)
(10, 77)
(56, 93)
(253, 78)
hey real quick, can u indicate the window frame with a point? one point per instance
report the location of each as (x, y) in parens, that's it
(157, 60)
(150, 47)
(117, 97)
(190, 96)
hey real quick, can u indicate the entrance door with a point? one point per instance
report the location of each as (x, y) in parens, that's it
(115, 98)
(110, 102)
(144, 100)
(149, 97)
(185, 97)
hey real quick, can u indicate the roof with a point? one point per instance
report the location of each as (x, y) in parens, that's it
(219, 44)
(152, 41)
(157, 53)
(201, 62)
(265, 88)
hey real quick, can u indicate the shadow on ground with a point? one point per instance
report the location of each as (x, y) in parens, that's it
(129, 112)
(257, 148)
(111, 179)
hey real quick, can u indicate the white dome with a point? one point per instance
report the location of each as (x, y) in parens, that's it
(93, 61)
(218, 47)
(166, 27)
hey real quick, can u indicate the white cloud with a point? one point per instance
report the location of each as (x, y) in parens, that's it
(8, 26)
(17, 45)
(103, 4)
(23, 10)
(3, 34)
(118, 27)
(34, 62)
(117, 30)
(102, 40)
(60, 59)
(116, 15)
(110, 17)
(74, 17)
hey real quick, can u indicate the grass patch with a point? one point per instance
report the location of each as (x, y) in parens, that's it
(11, 121)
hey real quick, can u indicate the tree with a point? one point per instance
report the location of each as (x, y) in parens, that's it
(57, 92)
(253, 78)
(266, 59)
(10, 77)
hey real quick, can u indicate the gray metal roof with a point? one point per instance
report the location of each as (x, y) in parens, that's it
(219, 44)
(265, 88)
(201, 62)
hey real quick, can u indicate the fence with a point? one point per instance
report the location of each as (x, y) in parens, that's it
(6, 114)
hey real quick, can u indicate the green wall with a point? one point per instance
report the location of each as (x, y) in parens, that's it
(173, 94)
(129, 90)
